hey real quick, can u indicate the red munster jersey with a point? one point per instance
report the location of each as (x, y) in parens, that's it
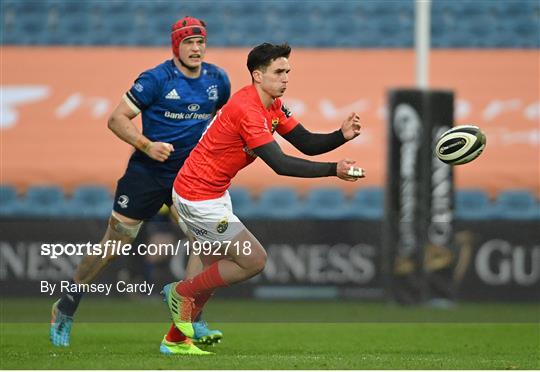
(226, 147)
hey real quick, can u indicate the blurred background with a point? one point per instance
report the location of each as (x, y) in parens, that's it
(66, 65)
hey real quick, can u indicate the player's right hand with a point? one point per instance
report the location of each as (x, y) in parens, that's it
(159, 151)
(348, 172)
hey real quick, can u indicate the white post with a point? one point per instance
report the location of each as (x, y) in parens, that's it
(422, 40)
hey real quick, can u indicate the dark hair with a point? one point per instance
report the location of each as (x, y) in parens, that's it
(262, 55)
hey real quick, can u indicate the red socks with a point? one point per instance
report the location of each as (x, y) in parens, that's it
(175, 335)
(206, 281)
(200, 288)
(200, 300)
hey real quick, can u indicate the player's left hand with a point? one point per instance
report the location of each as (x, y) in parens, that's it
(351, 126)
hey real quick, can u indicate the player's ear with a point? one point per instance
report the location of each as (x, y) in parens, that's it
(257, 76)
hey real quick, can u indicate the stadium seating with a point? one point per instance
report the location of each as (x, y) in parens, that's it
(8, 200)
(8, 194)
(304, 23)
(90, 201)
(326, 203)
(93, 201)
(515, 205)
(280, 203)
(472, 204)
(242, 201)
(43, 201)
(368, 203)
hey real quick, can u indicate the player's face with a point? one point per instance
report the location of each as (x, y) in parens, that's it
(192, 51)
(276, 77)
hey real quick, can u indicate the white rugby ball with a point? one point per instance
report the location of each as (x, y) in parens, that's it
(460, 144)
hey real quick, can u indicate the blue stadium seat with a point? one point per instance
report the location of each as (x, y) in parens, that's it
(9, 202)
(472, 204)
(280, 203)
(515, 205)
(368, 203)
(326, 203)
(44, 201)
(307, 23)
(242, 202)
(31, 6)
(513, 8)
(8, 194)
(90, 201)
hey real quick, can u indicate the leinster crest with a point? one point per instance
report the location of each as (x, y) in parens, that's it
(212, 92)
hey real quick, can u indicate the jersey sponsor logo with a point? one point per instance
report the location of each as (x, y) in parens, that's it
(275, 123)
(193, 107)
(212, 92)
(187, 115)
(222, 225)
(200, 232)
(173, 94)
(123, 201)
(138, 87)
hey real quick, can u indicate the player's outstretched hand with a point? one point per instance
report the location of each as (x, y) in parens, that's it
(351, 126)
(348, 172)
(159, 151)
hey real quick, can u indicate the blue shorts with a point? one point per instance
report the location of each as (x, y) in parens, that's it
(141, 193)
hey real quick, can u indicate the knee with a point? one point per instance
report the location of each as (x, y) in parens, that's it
(123, 229)
(118, 233)
(258, 261)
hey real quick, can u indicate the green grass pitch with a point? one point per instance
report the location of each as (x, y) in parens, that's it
(279, 335)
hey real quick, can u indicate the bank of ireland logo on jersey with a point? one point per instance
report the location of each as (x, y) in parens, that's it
(222, 225)
(212, 92)
(123, 201)
(193, 107)
(173, 94)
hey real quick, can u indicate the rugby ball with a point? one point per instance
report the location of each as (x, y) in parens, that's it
(460, 144)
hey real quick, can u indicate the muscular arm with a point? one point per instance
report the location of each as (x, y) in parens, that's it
(121, 125)
(314, 143)
(286, 165)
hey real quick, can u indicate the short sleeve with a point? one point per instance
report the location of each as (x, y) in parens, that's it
(255, 130)
(144, 91)
(224, 89)
(287, 122)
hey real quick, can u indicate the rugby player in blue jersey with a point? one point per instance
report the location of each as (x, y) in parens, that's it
(176, 99)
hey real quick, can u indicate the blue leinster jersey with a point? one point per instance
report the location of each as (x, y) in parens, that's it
(176, 109)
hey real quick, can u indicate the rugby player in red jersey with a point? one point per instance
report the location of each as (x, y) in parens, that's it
(176, 100)
(241, 131)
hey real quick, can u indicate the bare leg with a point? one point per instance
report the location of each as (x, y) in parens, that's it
(91, 266)
(195, 264)
(236, 264)
(243, 263)
(120, 228)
